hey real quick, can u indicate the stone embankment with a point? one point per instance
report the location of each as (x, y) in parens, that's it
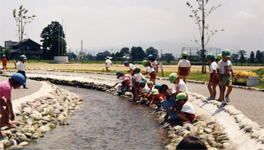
(35, 118)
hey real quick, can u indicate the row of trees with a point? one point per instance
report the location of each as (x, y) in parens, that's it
(240, 57)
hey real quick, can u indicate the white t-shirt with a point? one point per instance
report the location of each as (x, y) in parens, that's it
(213, 67)
(108, 62)
(154, 64)
(145, 89)
(181, 86)
(21, 66)
(123, 78)
(138, 77)
(149, 69)
(131, 66)
(225, 67)
(188, 108)
(184, 63)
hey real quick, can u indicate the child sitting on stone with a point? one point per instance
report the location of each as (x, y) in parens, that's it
(147, 92)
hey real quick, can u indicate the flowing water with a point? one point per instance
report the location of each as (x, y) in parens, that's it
(105, 121)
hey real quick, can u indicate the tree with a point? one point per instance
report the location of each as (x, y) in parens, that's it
(21, 20)
(137, 53)
(53, 41)
(252, 56)
(152, 51)
(200, 21)
(241, 53)
(124, 50)
(259, 55)
(168, 57)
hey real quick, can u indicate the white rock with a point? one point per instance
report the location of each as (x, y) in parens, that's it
(23, 143)
(16, 111)
(61, 118)
(208, 131)
(38, 117)
(251, 126)
(44, 129)
(244, 122)
(27, 110)
(239, 117)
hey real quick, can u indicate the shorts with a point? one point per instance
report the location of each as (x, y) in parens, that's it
(153, 75)
(189, 116)
(226, 79)
(216, 81)
(184, 71)
(137, 85)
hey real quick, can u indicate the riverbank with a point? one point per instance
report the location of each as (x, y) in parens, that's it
(96, 83)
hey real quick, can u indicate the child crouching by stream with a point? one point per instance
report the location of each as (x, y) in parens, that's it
(123, 79)
(14, 82)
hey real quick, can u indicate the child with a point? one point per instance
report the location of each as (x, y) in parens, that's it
(191, 142)
(131, 67)
(218, 58)
(21, 66)
(153, 63)
(224, 70)
(179, 84)
(157, 98)
(143, 89)
(124, 79)
(4, 61)
(184, 107)
(214, 79)
(149, 71)
(148, 95)
(108, 62)
(137, 77)
(184, 66)
(15, 81)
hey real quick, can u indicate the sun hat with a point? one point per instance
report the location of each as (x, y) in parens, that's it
(150, 82)
(181, 96)
(155, 91)
(19, 78)
(184, 54)
(22, 57)
(173, 77)
(3, 56)
(107, 57)
(157, 86)
(150, 56)
(226, 53)
(210, 56)
(141, 83)
(144, 62)
(219, 57)
(137, 69)
(125, 63)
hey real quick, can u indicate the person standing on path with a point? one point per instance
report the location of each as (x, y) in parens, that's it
(218, 58)
(15, 81)
(225, 73)
(108, 62)
(149, 71)
(153, 63)
(4, 61)
(214, 79)
(21, 66)
(184, 66)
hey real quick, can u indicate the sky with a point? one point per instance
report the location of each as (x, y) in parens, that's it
(114, 24)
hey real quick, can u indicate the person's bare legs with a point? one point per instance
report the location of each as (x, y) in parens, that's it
(229, 89)
(222, 91)
(214, 90)
(210, 89)
(184, 79)
(153, 80)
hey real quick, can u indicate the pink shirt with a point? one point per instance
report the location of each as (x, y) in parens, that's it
(5, 89)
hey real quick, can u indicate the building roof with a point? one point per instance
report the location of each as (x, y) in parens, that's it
(25, 40)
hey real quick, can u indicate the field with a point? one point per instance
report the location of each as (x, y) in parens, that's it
(195, 73)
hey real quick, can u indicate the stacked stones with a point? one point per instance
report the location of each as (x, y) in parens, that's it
(254, 129)
(35, 118)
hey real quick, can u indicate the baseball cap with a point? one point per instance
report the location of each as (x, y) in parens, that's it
(181, 96)
(226, 53)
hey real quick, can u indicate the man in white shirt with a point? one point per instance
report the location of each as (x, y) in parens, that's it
(108, 62)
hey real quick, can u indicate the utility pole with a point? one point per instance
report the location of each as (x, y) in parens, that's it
(161, 64)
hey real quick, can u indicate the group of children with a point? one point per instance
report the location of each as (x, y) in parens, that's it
(175, 101)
